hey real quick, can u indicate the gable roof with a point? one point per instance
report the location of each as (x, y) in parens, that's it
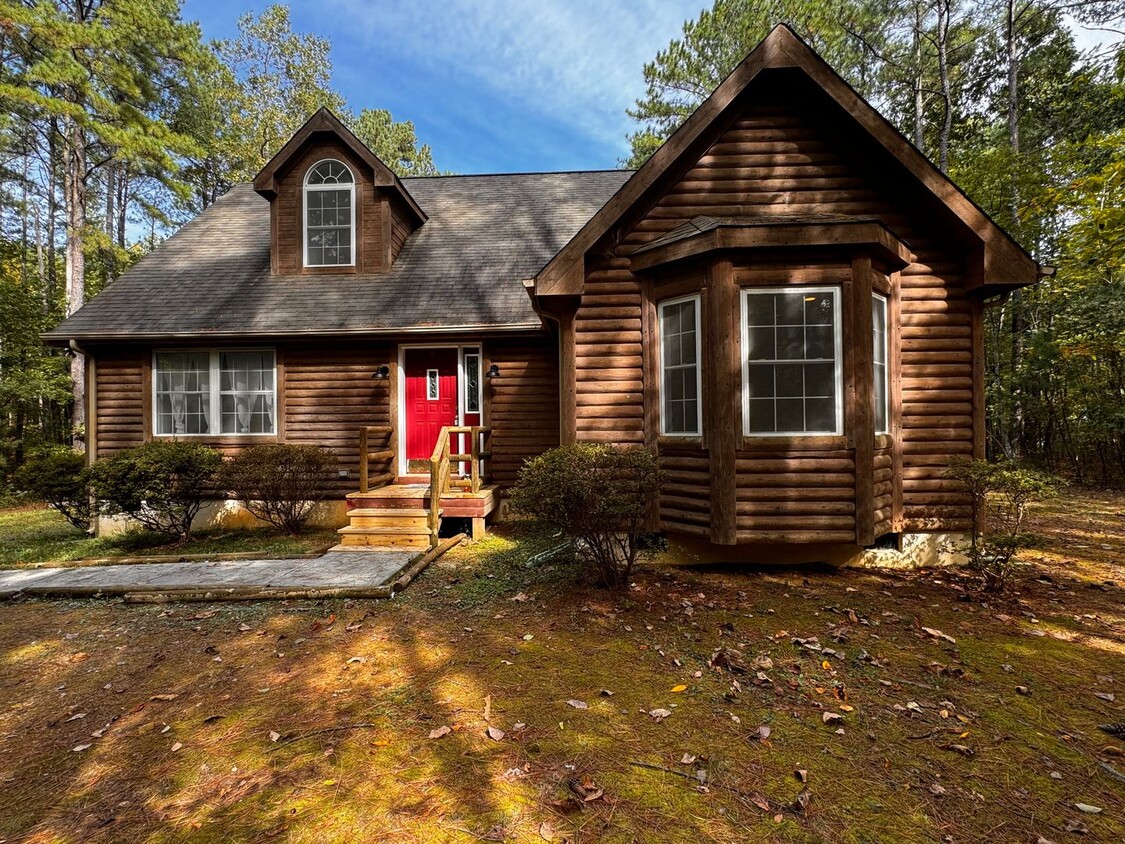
(462, 271)
(1005, 262)
(324, 121)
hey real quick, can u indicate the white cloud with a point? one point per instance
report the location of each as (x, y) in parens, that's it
(575, 60)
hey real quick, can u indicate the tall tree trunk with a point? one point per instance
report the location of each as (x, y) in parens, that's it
(944, 10)
(1013, 79)
(122, 204)
(916, 82)
(74, 191)
(52, 282)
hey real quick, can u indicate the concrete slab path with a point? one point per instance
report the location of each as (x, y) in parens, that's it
(343, 571)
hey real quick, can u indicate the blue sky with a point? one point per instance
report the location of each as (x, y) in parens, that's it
(502, 86)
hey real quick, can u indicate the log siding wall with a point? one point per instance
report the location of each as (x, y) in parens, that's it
(325, 394)
(783, 155)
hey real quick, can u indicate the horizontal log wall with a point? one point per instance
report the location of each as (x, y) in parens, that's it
(784, 155)
(120, 398)
(522, 403)
(884, 491)
(326, 395)
(329, 395)
(795, 497)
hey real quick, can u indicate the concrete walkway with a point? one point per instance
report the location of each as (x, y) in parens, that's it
(369, 573)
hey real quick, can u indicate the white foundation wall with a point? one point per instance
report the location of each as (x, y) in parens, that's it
(231, 515)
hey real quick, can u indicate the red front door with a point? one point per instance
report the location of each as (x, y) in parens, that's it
(431, 401)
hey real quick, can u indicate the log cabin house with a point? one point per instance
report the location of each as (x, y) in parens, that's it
(785, 302)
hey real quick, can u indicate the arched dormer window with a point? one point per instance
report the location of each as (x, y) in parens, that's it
(329, 215)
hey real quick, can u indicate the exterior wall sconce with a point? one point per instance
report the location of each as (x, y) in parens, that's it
(493, 371)
(382, 373)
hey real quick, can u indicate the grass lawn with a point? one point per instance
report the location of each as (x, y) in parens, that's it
(37, 535)
(311, 721)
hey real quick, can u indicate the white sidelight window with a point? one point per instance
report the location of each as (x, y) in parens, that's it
(329, 219)
(882, 384)
(681, 405)
(792, 375)
(232, 392)
(472, 382)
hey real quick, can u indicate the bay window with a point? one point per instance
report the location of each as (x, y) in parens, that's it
(213, 392)
(792, 361)
(681, 407)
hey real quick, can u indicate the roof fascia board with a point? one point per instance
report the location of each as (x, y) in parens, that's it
(1005, 262)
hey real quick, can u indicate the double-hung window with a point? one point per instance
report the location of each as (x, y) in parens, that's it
(329, 215)
(681, 406)
(792, 365)
(879, 358)
(232, 392)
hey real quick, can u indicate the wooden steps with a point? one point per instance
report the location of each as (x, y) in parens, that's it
(387, 527)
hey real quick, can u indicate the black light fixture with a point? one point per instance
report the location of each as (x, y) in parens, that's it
(493, 371)
(382, 373)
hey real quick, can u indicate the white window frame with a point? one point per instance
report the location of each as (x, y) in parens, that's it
(837, 351)
(214, 413)
(305, 212)
(694, 297)
(885, 304)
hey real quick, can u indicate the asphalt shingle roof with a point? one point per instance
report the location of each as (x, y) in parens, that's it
(464, 267)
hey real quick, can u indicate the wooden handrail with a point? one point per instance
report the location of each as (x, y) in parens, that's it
(383, 454)
(441, 472)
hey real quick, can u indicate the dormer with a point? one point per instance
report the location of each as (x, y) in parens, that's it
(335, 208)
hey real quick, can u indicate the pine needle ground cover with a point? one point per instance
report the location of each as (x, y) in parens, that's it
(499, 702)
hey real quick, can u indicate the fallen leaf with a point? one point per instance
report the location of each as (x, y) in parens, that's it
(688, 758)
(164, 697)
(274, 735)
(679, 687)
(1023, 690)
(577, 704)
(1105, 696)
(520, 597)
(80, 747)
(440, 732)
(830, 717)
(1088, 809)
(527, 637)
(75, 717)
(546, 831)
(177, 746)
(605, 693)
(356, 659)
(659, 714)
(761, 801)
(958, 748)
(1077, 827)
(847, 707)
(495, 733)
(764, 732)
(801, 774)
(244, 627)
(801, 804)
(936, 789)
(937, 634)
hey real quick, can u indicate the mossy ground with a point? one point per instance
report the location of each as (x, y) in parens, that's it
(481, 630)
(34, 535)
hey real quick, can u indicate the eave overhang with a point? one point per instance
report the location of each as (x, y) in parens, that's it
(705, 235)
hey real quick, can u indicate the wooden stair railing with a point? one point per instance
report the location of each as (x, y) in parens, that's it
(376, 445)
(441, 474)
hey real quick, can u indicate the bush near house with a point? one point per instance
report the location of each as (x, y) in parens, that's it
(598, 496)
(1000, 494)
(279, 484)
(160, 485)
(59, 477)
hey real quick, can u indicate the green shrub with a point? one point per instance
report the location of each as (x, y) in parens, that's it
(598, 496)
(999, 494)
(60, 478)
(279, 484)
(161, 484)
